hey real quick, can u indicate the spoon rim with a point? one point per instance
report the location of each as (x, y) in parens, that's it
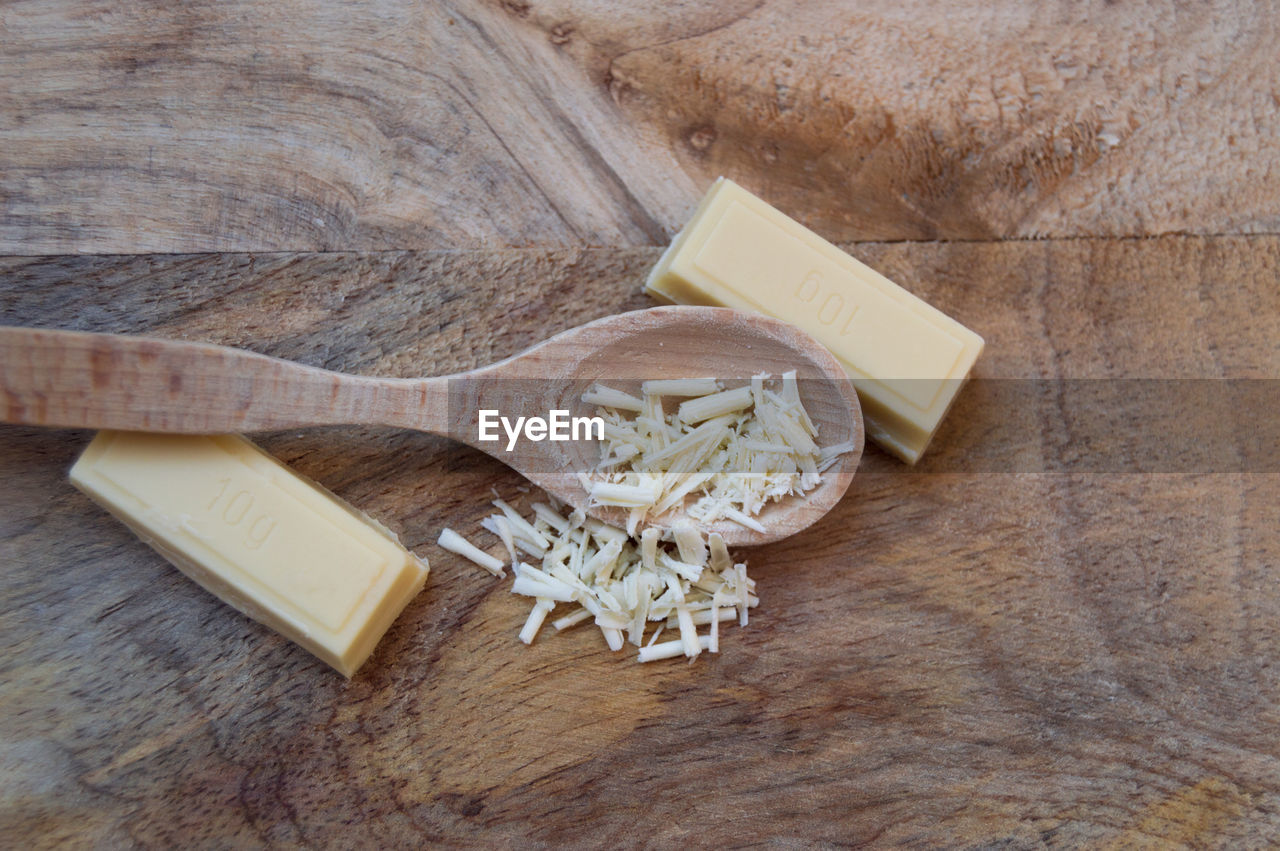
(796, 512)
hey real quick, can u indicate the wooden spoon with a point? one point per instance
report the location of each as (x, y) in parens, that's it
(107, 381)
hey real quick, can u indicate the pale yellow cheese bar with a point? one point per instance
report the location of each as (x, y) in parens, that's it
(906, 358)
(251, 531)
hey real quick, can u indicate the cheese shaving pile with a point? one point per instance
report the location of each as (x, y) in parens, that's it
(733, 450)
(736, 450)
(624, 584)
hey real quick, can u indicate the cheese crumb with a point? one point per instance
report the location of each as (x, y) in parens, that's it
(455, 543)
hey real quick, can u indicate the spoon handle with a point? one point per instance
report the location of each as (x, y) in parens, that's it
(73, 379)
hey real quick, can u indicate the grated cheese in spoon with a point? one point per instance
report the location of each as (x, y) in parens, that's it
(734, 450)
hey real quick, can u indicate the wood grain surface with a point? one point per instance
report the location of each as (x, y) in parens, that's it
(959, 659)
(1058, 631)
(400, 124)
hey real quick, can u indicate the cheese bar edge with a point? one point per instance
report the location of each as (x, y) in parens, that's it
(893, 419)
(344, 646)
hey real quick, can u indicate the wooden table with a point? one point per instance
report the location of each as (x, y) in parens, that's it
(1048, 652)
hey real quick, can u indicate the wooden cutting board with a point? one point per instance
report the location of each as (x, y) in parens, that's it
(1055, 648)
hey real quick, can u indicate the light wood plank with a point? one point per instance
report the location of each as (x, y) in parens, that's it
(248, 125)
(950, 658)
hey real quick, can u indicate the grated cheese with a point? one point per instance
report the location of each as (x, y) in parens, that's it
(536, 617)
(680, 387)
(731, 452)
(670, 649)
(455, 543)
(716, 405)
(503, 529)
(622, 583)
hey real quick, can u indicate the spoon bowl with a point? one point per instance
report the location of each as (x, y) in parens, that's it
(80, 380)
